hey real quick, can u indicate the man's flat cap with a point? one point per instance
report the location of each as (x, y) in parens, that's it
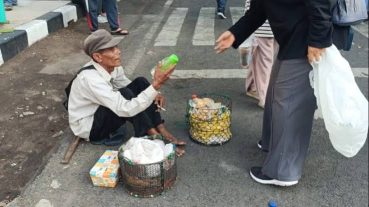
(98, 40)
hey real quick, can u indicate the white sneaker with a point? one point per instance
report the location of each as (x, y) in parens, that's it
(259, 177)
(221, 15)
(102, 19)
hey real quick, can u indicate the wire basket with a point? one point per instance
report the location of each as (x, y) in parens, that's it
(148, 180)
(210, 126)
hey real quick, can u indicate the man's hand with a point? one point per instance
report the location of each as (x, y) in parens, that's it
(314, 54)
(160, 77)
(160, 101)
(224, 41)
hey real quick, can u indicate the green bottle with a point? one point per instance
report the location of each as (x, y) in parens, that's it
(169, 62)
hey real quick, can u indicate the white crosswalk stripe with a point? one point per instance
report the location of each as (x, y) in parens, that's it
(236, 13)
(236, 73)
(204, 30)
(169, 34)
(204, 34)
(360, 72)
(362, 28)
(209, 73)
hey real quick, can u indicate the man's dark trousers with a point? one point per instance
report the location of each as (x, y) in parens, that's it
(107, 122)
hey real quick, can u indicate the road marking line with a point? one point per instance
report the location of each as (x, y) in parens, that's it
(362, 29)
(140, 52)
(236, 13)
(360, 72)
(204, 30)
(235, 73)
(209, 73)
(168, 36)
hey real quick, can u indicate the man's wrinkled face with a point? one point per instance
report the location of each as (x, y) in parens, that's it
(109, 57)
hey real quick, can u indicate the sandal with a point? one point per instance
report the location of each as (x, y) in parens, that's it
(120, 32)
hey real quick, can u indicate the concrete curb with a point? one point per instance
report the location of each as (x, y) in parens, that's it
(27, 34)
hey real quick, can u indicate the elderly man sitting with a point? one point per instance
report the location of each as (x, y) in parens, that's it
(102, 98)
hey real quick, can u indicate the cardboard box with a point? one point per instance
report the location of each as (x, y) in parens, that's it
(105, 172)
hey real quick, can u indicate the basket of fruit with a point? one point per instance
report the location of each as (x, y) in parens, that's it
(153, 177)
(209, 118)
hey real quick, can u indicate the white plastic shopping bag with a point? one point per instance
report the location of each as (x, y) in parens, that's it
(143, 151)
(340, 102)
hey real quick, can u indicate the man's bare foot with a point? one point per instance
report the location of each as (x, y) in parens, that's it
(175, 141)
(168, 136)
(180, 150)
(152, 131)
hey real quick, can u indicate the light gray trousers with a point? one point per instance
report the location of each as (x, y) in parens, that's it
(288, 118)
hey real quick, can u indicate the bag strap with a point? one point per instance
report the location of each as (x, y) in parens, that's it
(68, 88)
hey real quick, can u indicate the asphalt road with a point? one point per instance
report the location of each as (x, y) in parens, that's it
(207, 176)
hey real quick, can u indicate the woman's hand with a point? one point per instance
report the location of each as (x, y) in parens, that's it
(314, 54)
(224, 41)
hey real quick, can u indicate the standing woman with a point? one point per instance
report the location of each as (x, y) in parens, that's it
(263, 49)
(303, 29)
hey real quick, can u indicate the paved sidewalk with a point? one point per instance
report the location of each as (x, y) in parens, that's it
(27, 10)
(33, 20)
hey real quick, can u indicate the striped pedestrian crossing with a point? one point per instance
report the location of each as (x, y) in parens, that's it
(236, 13)
(204, 34)
(204, 30)
(169, 34)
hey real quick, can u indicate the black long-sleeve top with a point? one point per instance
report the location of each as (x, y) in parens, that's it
(295, 24)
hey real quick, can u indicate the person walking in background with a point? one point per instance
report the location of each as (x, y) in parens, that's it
(9, 4)
(221, 4)
(111, 9)
(102, 14)
(263, 49)
(303, 29)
